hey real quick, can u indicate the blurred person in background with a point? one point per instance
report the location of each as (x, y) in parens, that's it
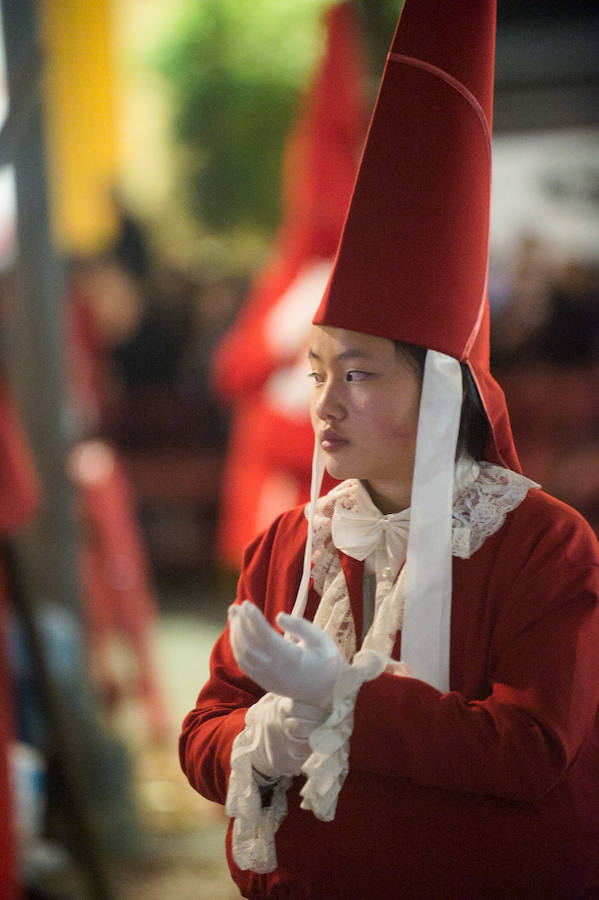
(259, 365)
(105, 307)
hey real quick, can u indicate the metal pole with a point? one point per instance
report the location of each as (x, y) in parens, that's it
(43, 563)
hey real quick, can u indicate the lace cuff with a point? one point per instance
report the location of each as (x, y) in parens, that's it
(254, 825)
(327, 767)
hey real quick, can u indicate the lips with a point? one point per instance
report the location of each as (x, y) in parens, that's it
(331, 441)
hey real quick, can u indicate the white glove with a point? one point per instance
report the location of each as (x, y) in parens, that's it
(283, 726)
(305, 668)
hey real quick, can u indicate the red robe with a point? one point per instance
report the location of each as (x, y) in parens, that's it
(490, 790)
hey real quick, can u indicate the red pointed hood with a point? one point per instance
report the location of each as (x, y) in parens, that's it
(323, 150)
(413, 258)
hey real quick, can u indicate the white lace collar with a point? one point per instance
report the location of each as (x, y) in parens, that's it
(480, 507)
(484, 495)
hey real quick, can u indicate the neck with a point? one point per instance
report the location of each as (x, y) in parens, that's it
(389, 499)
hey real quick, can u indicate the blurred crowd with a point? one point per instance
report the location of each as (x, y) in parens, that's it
(141, 337)
(545, 354)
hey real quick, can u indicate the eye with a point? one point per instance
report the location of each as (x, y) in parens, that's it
(355, 375)
(316, 378)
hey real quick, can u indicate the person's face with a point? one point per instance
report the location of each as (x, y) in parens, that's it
(364, 409)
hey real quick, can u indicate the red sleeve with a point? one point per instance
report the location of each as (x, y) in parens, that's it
(517, 742)
(270, 576)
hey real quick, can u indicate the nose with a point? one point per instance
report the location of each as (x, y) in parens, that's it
(327, 403)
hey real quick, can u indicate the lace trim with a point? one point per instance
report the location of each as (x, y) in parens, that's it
(254, 825)
(479, 510)
(484, 495)
(331, 614)
(323, 549)
(327, 767)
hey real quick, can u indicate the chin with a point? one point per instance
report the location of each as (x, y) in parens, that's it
(340, 472)
(336, 470)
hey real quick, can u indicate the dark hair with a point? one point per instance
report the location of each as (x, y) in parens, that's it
(474, 425)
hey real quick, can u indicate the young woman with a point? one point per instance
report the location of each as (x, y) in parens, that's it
(425, 722)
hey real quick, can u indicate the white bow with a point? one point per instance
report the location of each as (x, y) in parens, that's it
(360, 531)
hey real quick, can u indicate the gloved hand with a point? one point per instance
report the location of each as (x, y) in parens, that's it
(305, 668)
(284, 726)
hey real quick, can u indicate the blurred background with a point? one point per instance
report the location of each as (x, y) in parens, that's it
(173, 180)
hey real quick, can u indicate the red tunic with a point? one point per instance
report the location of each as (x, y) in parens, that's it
(490, 790)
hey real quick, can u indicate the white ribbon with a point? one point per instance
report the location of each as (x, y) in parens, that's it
(426, 628)
(316, 483)
(359, 532)
(426, 623)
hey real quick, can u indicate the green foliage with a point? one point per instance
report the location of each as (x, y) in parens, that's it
(236, 69)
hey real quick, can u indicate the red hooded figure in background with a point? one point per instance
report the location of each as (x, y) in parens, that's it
(259, 365)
